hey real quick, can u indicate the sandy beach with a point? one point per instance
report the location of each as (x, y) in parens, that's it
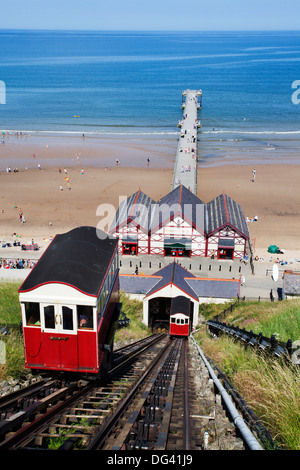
(49, 207)
(273, 198)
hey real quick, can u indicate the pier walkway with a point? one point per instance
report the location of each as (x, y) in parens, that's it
(185, 170)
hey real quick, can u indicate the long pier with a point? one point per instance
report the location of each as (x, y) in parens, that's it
(185, 170)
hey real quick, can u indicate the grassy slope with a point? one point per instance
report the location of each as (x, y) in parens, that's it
(10, 314)
(272, 389)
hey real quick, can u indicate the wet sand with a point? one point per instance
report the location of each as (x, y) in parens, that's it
(96, 151)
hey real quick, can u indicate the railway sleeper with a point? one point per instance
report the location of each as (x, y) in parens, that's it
(76, 418)
(35, 411)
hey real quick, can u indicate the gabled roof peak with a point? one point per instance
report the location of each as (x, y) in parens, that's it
(176, 275)
(181, 195)
(135, 208)
(180, 201)
(224, 210)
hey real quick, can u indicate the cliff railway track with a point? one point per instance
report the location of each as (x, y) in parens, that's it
(159, 397)
(26, 412)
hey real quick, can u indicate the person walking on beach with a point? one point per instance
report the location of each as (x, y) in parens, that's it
(253, 175)
(148, 161)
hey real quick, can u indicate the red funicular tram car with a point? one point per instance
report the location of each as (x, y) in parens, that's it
(70, 303)
(180, 316)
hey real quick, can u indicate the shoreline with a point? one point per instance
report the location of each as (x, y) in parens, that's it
(132, 150)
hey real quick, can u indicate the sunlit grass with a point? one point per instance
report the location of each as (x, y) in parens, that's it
(10, 312)
(136, 328)
(270, 387)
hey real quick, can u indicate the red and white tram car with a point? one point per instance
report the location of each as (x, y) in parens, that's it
(180, 316)
(70, 303)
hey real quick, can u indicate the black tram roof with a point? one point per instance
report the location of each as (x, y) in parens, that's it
(79, 258)
(180, 304)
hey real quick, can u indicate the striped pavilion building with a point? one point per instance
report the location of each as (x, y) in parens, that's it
(181, 225)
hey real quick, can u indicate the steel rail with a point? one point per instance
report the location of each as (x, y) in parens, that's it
(187, 431)
(99, 439)
(22, 435)
(11, 399)
(143, 344)
(136, 343)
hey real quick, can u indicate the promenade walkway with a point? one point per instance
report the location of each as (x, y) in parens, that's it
(253, 287)
(185, 170)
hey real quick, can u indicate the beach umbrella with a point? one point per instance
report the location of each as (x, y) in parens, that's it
(273, 249)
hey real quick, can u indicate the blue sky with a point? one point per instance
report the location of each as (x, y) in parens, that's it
(151, 14)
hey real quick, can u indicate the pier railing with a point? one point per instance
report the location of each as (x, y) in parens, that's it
(185, 169)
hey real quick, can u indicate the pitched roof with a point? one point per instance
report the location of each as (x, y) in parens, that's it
(181, 201)
(144, 212)
(223, 210)
(137, 284)
(176, 275)
(215, 288)
(78, 258)
(136, 208)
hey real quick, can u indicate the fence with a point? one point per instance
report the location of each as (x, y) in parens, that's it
(271, 346)
(234, 269)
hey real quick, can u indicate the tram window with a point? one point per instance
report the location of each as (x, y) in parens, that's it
(173, 320)
(186, 321)
(182, 321)
(67, 314)
(32, 313)
(178, 321)
(85, 316)
(49, 316)
(103, 298)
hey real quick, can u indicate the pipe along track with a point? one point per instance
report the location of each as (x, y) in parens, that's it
(163, 400)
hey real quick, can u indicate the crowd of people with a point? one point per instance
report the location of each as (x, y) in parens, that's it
(16, 263)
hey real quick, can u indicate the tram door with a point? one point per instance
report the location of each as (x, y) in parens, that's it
(59, 332)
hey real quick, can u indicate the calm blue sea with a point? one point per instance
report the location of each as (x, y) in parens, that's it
(130, 84)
